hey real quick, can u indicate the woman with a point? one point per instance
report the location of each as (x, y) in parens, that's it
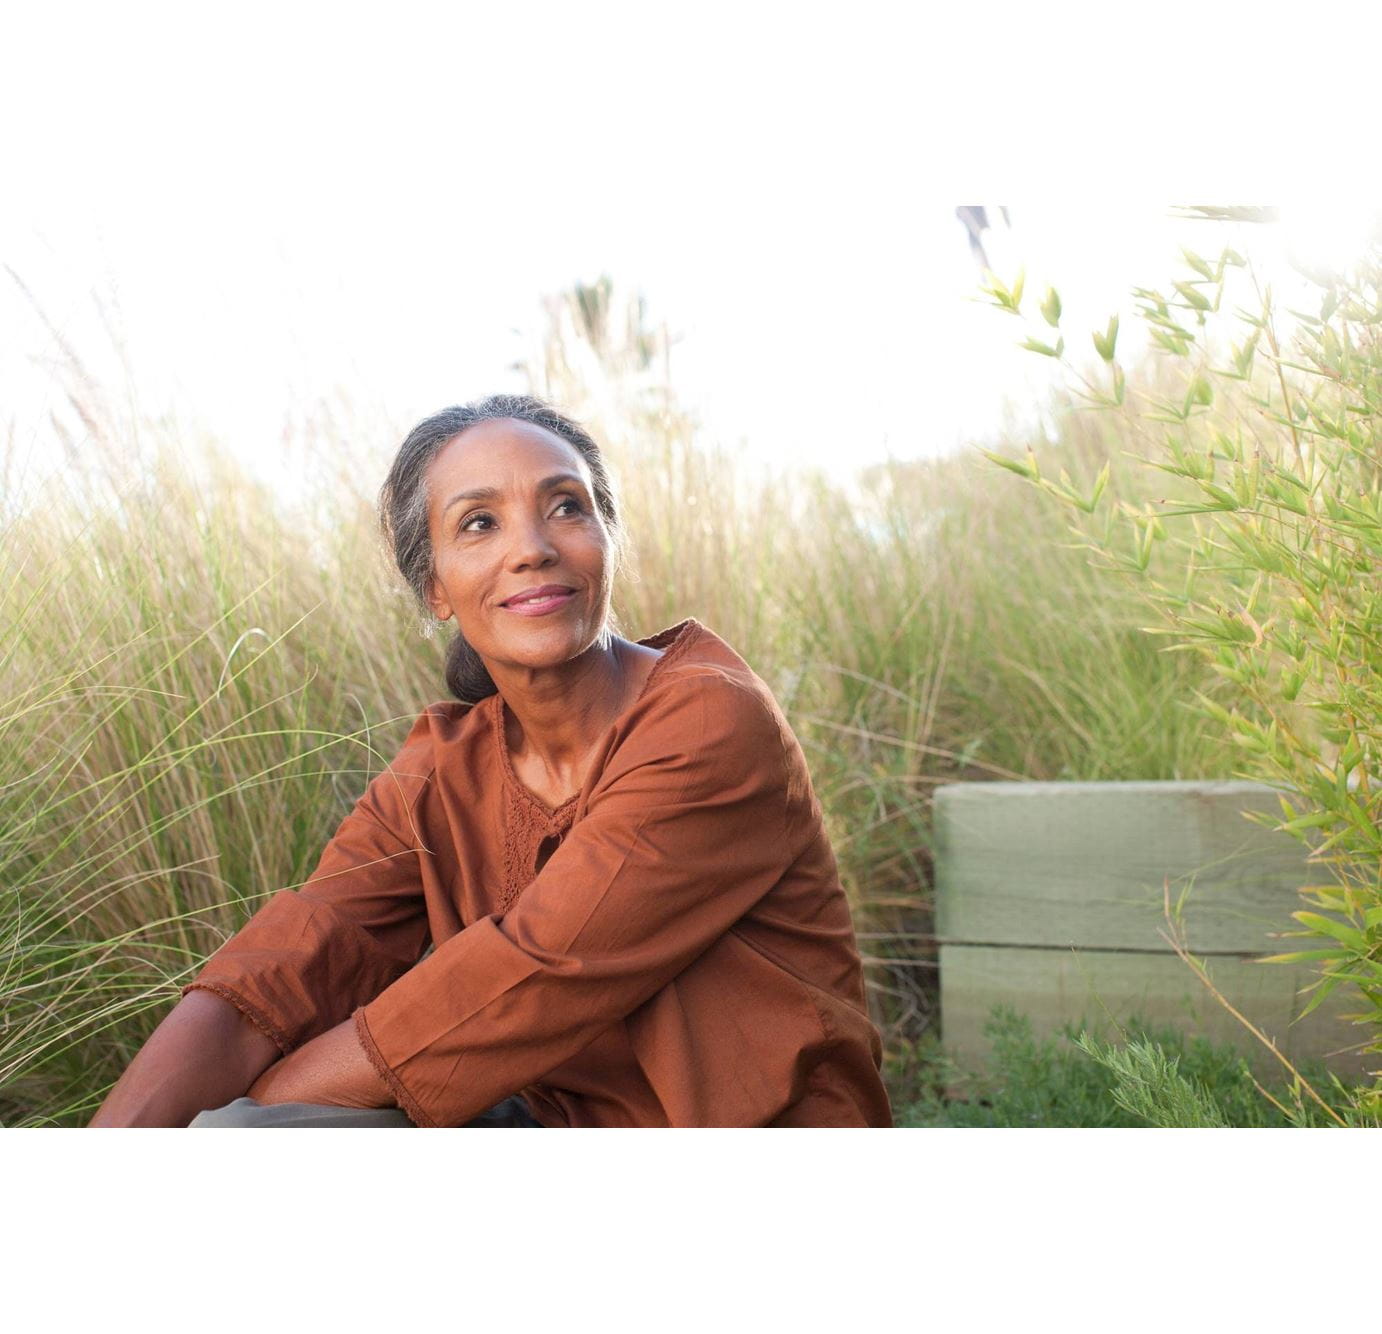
(613, 849)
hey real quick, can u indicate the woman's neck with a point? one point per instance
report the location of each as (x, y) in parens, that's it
(555, 718)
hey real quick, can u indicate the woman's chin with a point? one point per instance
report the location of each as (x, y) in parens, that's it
(549, 646)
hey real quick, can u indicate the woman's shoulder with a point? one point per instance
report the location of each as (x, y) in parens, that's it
(698, 663)
(702, 691)
(448, 722)
(447, 735)
(709, 725)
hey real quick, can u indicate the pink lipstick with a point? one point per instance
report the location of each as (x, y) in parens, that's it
(540, 601)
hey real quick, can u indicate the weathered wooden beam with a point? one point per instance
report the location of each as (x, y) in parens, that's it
(1050, 898)
(1103, 989)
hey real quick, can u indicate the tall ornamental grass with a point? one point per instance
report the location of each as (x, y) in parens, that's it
(194, 688)
(198, 676)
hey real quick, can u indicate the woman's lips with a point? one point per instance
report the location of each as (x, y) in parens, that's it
(540, 606)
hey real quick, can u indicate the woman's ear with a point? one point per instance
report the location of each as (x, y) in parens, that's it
(437, 604)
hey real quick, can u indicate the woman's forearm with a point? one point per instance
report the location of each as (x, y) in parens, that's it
(331, 1069)
(204, 1054)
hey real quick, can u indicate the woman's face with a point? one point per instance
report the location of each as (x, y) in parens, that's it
(511, 509)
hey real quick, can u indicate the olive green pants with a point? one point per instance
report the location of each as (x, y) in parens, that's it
(245, 1113)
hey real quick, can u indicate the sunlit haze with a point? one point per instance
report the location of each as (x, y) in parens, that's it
(264, 218)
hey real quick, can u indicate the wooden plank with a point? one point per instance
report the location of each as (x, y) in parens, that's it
(1083, 864)
(1054, 986)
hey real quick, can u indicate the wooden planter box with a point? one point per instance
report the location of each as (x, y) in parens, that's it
(1049, 898)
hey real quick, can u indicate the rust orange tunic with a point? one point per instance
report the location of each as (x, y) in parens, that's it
(671, 946)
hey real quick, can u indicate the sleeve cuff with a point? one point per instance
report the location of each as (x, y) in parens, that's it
(405, 1100)
(257, 1017)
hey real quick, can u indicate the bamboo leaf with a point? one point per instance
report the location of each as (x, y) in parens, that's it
(1105, 343)
(1197, 263)
(1100, 483)
(1194, 298)
(1011, 464)
(1321, 990)
(1340, 931)
(1302, 956)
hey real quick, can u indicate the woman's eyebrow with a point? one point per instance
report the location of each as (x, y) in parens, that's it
(491, 492)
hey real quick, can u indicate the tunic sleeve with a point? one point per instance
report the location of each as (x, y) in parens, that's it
(685, 831)
(309, 956)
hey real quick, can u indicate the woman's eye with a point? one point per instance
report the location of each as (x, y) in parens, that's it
(468, 524)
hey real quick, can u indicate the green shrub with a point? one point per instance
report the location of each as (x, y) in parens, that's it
(1158, 1076)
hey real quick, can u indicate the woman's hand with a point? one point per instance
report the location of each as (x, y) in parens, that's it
(331, 1070)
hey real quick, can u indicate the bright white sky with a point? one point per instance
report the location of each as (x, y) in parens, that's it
(289, 201)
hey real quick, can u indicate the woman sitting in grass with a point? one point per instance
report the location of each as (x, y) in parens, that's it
(593, 890)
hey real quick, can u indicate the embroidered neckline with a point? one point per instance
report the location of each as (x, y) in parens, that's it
(675, 638)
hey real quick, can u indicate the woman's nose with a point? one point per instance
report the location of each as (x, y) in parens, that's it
(531, 546)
